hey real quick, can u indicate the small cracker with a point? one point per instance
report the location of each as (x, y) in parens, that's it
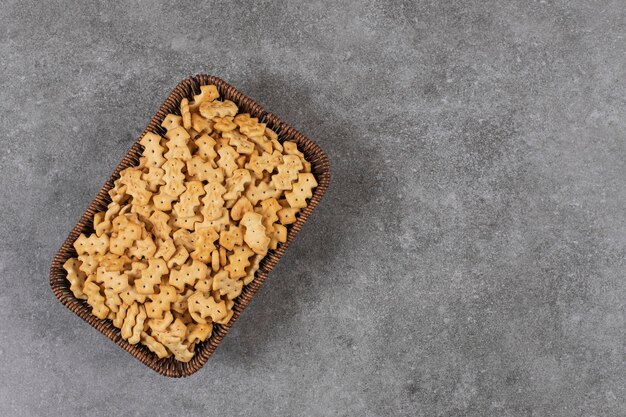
(152, 155)
(207, 93)
(238, 262)
(266, 162)
(241, 207)
(254, 234)
(200, 124)
(201, 307)
(153, 178)
(261, 191)
(301, 191)
(287, 172)
(201, 170)
(172, 121)
(212, 202)
(129, 321)
(189, 201)
(227, 160)
(179, 258)
(135, 186)
(185, 113)
(143, 248)
(203, 242)
(183, 237)
(76, 277)
(287, 215)
(138, 328)
(161, 302)
(249, 126)
(239, 142)
(231, 288)
(161, 325)
(154, 346)
(151, 276)
(91, 245)
(188, 275)
(177, 144)
(165, 249)
(95, 300)
(215, 260)
(114, 280)
(206, 149)
(213, 109)
(224, 124)
(230, 237)
(198, 332)
(160, 227)
(236, 184)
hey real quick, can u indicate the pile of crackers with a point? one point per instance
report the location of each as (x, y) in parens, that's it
(187, 227)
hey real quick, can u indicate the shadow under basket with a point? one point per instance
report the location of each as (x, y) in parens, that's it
(170, 367)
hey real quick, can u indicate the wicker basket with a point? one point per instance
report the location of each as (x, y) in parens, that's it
(187, 88)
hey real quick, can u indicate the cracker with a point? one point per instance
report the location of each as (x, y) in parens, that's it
(91, 245)
(229, 238)
(249, 126)
(302, 190)
(183, 237)
(154, 346)
(213, 109)
(165, 249)
(172, 121)
(227, 160)
(224, 124)
(179, 258)
(203, 242)
(114, 280)
(226, 286)
(212, 202)
(95, 300)
(236, 184)
(207, 93)
(76, 277)
(198, 332)
(287, 172)
(138, 327)
(173, 178)
(241, 207)
(200, 124)
(189, 200)
(159, 225)
(151, 276)
(177, 147)
(185, 113)
(206, 149)
(135, 186)
(153, 179)
(238, 262)
(188, 275)
(201, 170)
(152, 155)
(254, 234)
(265, 162)
(239, 142)
(261, 191)
(201, 308)
(161, 302)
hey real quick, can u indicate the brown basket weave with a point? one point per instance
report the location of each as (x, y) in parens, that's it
(187, 88)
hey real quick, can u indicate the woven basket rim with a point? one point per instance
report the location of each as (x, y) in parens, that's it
(187, 88)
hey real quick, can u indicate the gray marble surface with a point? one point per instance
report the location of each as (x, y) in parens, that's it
(468, 259)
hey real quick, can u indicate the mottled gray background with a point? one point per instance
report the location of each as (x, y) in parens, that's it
(468, 259)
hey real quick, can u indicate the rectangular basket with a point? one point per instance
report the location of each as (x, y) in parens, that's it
(187, 88)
